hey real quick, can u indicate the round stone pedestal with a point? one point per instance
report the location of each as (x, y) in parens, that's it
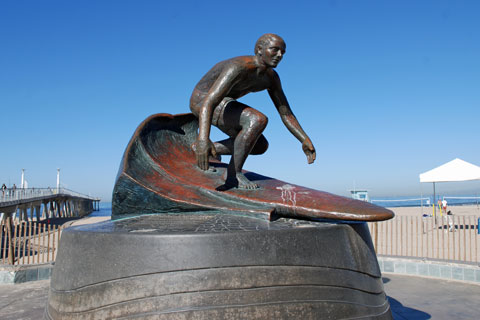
(216, 266)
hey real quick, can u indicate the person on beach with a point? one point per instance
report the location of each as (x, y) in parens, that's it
(4, 187)
(213, 102)
(444, 206)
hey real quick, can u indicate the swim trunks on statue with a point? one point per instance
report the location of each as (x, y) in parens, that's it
(218, 112)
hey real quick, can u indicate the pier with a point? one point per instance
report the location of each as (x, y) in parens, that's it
(27, 234)
(38, 203)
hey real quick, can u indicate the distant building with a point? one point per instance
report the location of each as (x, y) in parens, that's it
(361, 195)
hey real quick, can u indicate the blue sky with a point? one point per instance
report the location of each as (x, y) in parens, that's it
(385, 89)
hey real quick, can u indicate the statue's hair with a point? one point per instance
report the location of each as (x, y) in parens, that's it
(265, 39)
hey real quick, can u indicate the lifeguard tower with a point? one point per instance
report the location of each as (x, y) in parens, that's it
(361, 195)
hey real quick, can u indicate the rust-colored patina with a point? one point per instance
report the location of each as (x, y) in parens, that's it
(159, 174)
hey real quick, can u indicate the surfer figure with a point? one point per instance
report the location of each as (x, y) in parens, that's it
(213, 102)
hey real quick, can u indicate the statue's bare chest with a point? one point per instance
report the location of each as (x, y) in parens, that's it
(250, 82)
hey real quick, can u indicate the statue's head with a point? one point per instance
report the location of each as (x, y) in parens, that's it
(270, 48)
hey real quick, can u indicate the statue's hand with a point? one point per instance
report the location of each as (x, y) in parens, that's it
(309, 150)
(203, 149)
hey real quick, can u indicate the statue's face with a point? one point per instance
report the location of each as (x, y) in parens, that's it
(273, 52)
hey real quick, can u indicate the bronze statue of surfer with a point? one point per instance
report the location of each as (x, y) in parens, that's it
(213, 102)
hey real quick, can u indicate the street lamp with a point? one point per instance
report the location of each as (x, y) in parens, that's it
(22, 183)
(58, 180)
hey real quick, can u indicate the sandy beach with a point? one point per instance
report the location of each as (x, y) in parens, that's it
(467, 210)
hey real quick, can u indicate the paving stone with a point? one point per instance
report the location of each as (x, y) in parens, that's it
(423, 269)
(388, 266)
(434, 270)
(44, 273)
(411, 268)
(446, 272)
(477, 275)
(468, 274)
(20, 276)
(457, 273)
(31, 274)
(6, 277)
(399, 267)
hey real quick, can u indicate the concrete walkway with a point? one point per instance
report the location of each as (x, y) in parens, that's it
(23, 301)
(427, 298)
(410, 298)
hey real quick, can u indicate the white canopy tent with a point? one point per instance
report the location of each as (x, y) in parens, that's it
(455, 170)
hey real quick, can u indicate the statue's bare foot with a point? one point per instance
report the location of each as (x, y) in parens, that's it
(244, 183)
(241, 182)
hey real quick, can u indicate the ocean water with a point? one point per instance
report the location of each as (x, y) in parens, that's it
(425, 200)
(105, 210)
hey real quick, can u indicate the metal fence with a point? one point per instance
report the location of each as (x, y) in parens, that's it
(28, 242)
(453, 238)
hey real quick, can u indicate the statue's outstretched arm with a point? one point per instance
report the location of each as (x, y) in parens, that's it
(280, 101)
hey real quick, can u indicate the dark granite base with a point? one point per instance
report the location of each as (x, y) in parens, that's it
(216, 266)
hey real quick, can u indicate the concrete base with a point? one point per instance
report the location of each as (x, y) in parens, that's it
(216, 266)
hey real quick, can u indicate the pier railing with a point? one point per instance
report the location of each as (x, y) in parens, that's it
(11, 194)
(28, 242)
(451, 238)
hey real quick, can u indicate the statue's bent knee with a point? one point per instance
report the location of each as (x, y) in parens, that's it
(261, 146)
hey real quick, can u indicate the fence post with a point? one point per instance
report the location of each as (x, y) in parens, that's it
(11, 253)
